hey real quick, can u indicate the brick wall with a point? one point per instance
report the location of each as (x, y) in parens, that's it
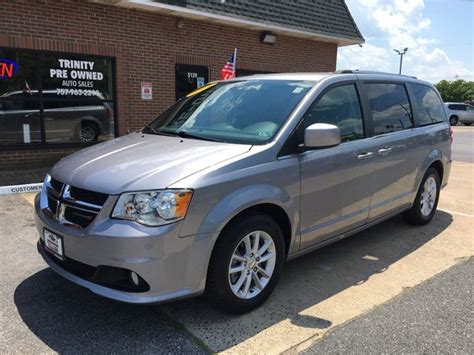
(146, 47)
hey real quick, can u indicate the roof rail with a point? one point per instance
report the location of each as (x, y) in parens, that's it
(357, 71)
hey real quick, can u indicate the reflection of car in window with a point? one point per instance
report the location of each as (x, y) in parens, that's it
(65, 119)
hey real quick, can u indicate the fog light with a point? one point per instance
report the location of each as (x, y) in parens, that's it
(134, 277)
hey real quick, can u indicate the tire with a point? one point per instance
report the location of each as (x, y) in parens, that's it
(89, 132)
(220, 282)
(453, 120)
(425, 204)
(467, 123)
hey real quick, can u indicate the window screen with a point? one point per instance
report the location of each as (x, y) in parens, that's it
(390, 107)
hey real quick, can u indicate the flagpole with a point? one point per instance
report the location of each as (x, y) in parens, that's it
(235, 60)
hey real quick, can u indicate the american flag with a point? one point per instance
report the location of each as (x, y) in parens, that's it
(228, 71)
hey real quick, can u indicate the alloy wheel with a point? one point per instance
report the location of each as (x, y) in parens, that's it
(252, 264)
(428, 196)
(87, 134)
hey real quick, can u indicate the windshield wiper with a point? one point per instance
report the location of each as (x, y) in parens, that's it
(153, 130)
(185, 134)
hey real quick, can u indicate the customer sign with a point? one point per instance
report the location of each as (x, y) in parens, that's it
(18, 189)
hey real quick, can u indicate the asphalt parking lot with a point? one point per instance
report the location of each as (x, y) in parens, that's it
(463, 145)
(322, 299)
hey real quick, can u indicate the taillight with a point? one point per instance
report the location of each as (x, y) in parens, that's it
(110, 113)
(451, 135)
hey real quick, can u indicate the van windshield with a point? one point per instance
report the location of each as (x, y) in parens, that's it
(246, 112)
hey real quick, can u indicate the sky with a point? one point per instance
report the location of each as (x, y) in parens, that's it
(438, 34)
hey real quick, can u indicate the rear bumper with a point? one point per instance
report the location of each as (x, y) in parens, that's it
(172, 266)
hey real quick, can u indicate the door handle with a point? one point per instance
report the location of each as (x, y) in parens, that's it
(385, 151)
(364, 156)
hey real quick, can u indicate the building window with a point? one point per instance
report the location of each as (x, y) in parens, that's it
(190, 78)
(54, 98)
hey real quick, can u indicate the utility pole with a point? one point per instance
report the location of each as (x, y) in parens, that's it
(401, 53)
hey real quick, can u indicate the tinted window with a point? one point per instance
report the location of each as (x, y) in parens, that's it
(245, 112)
(339, 106)
(457, 107)
(390, 107)
(430, 107)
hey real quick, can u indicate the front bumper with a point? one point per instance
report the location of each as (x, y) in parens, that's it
(172, 266)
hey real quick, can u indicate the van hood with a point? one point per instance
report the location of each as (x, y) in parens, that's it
(141, 162)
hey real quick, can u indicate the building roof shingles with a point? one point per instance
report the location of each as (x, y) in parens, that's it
(323, 17)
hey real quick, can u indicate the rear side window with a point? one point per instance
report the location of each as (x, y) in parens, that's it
(339, 106)
(430, 107)
(457, 107)
(390, 107)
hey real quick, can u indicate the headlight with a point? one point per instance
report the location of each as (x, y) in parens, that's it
(153, 208)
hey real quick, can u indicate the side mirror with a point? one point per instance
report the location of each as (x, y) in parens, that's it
(321, 135)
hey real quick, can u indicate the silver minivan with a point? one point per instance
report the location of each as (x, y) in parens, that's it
(239, 176)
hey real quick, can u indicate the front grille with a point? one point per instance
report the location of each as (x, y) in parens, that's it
(80, 217)
(56, 185)
(108, 276)
(52, 204)
(73, 206)
(95, 198)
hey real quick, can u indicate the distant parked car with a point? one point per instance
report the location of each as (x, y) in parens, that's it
(460, 112)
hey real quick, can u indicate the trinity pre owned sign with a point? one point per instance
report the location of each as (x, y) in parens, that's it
(77, 76)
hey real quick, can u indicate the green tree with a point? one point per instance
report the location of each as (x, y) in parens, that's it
(456, 90)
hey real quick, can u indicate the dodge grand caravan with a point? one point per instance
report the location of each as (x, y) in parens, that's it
(239, 176)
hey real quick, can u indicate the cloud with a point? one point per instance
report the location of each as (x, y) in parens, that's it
(368, 57)
(390, 24)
